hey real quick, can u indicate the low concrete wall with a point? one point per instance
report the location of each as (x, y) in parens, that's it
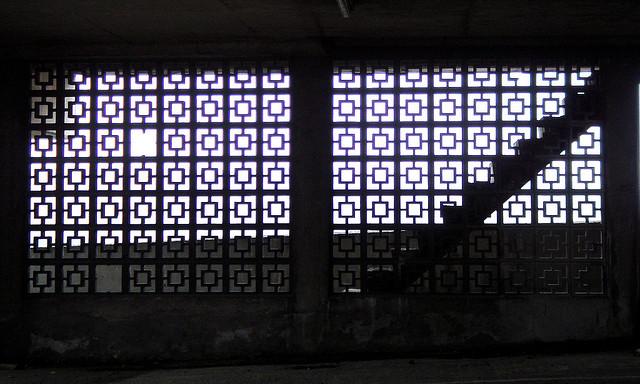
(151, 328)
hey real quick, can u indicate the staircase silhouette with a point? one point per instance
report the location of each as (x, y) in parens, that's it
(583, 109)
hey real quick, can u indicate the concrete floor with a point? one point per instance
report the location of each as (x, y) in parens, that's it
(604, 367)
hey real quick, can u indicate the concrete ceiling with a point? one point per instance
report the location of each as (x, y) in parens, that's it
(24, 22)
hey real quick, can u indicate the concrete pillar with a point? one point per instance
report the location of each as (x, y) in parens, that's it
(620, 145)
(14, 83)
(311, 196)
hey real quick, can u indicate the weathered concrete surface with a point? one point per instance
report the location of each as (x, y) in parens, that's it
(13, 176)
(252, 28)
(611, 367)
(310, 198)
(167, 21)
(419, 323)
(152, 328)
(180, 328)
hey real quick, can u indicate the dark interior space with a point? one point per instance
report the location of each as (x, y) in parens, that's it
(200, 182)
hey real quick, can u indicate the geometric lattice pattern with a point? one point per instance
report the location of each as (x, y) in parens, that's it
(157, 178)
(409, 139)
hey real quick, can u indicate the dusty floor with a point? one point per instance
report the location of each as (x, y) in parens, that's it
(605, 367)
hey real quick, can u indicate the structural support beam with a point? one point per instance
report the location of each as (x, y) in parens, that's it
(311, 195)
(620, 80)
(13, 208)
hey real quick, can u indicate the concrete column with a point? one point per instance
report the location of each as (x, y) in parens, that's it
(14, 83)
(311, 197)
(620, 138)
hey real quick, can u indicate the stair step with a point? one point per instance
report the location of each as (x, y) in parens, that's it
(513, 172)
(528, 147)
(586, 104)
(479, 187)
(452, 215)
(553, 125)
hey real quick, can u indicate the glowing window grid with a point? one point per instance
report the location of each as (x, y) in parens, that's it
(410, 137)
(159, 178)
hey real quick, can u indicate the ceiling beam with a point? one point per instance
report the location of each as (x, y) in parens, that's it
(345, 7)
